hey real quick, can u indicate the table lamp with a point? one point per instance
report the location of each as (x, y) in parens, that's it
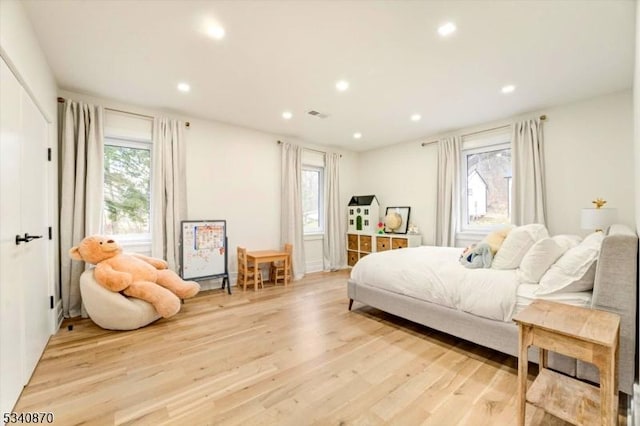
(596, 217)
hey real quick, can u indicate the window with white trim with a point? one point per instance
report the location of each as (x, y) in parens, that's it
(485, 171)
(313, 199)
(127, 190)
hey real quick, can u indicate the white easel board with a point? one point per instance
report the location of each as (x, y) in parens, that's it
(203, 251)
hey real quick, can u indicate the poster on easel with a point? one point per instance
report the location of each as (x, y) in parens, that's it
(203, 249)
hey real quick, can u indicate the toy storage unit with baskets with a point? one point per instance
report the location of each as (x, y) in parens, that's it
(361, 244)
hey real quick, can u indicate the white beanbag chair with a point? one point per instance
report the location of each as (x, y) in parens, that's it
(111, 310)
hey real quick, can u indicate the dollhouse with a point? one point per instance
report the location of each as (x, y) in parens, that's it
(363, 213)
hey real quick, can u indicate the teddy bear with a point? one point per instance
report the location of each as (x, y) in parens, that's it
(135, 275)
(496, 238)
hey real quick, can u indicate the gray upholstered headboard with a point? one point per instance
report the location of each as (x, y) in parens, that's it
(616, 290)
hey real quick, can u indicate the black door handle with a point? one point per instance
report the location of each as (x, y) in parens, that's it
(27, 238)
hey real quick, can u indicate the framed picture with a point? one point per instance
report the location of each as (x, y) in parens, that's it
(396, 220)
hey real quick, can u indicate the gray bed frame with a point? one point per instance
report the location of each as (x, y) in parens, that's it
(615, 290)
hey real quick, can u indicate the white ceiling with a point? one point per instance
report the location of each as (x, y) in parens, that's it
(288, 55)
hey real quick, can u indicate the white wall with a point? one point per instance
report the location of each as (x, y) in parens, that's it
(233, 173)
(403, 175)
(588, 154)
(636, 102)
(21, 51)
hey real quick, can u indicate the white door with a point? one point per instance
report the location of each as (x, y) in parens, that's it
(11, 294)
(24, 267)
(34, 213)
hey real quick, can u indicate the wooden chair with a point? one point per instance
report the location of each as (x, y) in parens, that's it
(246, 272)
(277, 269)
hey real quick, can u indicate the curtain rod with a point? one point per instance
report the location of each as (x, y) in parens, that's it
(311, 149)
(150, 117)
(542, 118)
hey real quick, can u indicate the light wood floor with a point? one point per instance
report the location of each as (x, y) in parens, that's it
(286, 356)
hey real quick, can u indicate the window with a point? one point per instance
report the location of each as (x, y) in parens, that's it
(313, 199)
(127, 189)
(486, 182)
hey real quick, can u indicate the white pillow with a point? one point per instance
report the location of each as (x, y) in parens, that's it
(517, 244)
(539, 259)
(567, 241)
(575, 270)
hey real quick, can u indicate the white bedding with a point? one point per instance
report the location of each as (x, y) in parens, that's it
(526, 295)
(435, 275)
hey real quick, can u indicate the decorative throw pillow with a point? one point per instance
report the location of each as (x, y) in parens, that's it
(575, 270)
(496, 238)
(539, 259)
(517, 244)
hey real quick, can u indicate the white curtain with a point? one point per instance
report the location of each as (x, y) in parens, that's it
(169, 189)
(448, 190)
(335, 255)
(291, 227)
(528, 187)
(81, 190)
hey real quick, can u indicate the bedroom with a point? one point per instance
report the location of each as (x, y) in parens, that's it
(594, 128)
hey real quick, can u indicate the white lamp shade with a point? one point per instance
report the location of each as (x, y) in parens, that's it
(598, 218)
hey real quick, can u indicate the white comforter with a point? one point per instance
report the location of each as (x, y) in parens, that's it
(435, 275)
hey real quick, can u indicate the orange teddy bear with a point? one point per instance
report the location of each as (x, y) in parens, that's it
(135, 275)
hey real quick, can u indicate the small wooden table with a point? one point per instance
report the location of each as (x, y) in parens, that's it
(586, 334)
(268, 256)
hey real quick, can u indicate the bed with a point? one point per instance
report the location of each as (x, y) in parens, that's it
(477, 304)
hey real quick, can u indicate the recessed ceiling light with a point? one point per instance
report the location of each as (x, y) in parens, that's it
(184, 87)
(216, 32)
(447, 29)
(416, 117)
(508, 88)
(287, 115)
(357, 135)
(342, 85)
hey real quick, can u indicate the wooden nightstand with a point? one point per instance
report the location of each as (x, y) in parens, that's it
(586, 334)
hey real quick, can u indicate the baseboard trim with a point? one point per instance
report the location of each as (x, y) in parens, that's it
(216, 283)
(314, 266)
(633, 416)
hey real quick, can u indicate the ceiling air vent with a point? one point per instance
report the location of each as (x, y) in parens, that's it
(317, 114)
